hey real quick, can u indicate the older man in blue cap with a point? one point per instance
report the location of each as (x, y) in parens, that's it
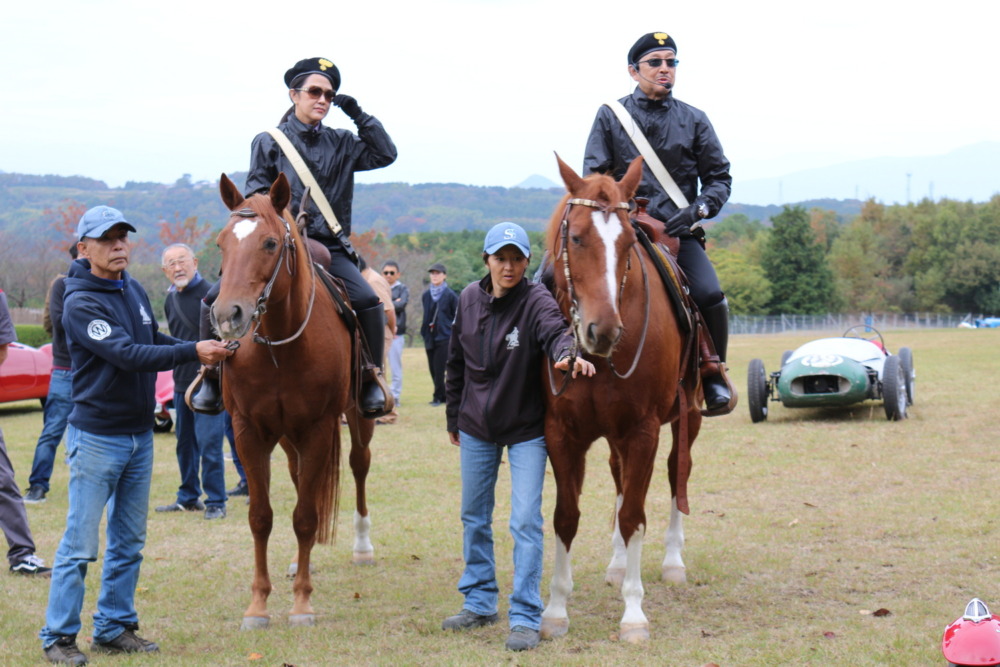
(116, 351)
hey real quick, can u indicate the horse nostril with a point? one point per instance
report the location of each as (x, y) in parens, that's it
(591, 332)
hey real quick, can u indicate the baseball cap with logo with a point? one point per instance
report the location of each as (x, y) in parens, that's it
(507, 233)
(98, 220)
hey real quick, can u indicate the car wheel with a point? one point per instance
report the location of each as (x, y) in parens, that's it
(757, 393)
(784, 357)
(906, 362)
(894, 389)
(162, 423)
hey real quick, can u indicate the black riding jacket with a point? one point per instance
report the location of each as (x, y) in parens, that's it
(683, 139)
(332, 155)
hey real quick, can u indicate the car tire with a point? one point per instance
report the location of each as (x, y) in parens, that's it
(906, 362)
(894, 389)
(757, 393)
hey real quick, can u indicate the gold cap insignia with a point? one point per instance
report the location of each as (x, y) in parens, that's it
(324, 64)
(661, 37)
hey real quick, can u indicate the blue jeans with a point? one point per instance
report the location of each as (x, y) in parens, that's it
(110, 471)
(199, 445)
(232, 448)
(58, 404)
(396, 365)
(480, 463)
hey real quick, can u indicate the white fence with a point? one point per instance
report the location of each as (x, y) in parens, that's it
(769, 324)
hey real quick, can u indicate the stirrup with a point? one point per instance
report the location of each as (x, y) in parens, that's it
(728, 407)
(374, 375)
(202, 384)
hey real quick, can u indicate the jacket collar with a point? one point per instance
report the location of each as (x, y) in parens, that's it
(649, 104)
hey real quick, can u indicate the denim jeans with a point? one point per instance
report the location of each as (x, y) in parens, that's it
(231, 437)
(58, 404)
(110, 471)
(396, 365)
(199, 446)
(480, 463)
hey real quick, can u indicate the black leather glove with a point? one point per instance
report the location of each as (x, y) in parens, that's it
(687, 216)
(348, 105)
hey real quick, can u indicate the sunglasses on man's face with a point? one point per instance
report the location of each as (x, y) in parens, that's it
(388, 273)
(656, 62)
(315, 92)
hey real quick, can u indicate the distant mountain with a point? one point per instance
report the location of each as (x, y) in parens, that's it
(536, 181)
(968, 173)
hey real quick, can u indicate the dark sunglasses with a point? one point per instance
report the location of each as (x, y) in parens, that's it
(315, 92)
(656, 62)
(388, 273)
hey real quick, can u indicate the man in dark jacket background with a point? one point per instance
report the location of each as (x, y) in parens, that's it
(440, 304)
(116, 350)
(685, 142)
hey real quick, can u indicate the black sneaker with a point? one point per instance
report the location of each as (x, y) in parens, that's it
(126, 642)
(31, 566)
(65, 652)
(216, 512)
(196, 506)
(35, 494)
(240, 489)
(522, 638)
(467, 619)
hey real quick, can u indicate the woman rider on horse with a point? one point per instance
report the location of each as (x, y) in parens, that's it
(332, 156)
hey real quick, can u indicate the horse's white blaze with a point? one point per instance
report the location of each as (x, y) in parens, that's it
(632, 591)
(617, 541)
(244, 228)
(561, 585)
(674, 538)
(609, 230)
(362, 534)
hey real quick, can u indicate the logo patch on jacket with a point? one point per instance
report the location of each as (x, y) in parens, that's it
(146, 319)
(511, 339)
(98, 329)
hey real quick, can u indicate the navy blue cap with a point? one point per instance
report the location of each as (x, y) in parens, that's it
(507, 233)
(652, 41)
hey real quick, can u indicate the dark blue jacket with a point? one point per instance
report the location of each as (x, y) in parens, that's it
(116, 350)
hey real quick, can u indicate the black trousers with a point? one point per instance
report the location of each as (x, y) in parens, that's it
(702, 279)
(437, 358)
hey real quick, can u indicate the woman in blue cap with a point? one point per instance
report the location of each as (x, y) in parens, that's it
(504, 326)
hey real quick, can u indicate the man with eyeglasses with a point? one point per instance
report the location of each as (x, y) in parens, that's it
(400, 297)
(199, 436)
(685, 142)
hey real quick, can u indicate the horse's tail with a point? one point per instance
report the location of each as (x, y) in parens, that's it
(328, 495)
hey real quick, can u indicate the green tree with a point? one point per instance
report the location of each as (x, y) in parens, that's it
(747, 288)
(795, 264)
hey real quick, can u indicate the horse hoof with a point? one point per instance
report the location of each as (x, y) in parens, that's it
(634, 633)
(674, 574)
(554, 627)
(301, 620)
(615, 576)
(255, 623)
(363, 558)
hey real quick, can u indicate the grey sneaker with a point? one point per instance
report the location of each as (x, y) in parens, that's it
(467, 619)
(522, 638)
(216, 512)
(65, 652)
(31, 566)
(241, 489)
(35, 494)
(126, 642)
(196, 506)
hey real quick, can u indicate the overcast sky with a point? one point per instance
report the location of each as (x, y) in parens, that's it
(483, 91)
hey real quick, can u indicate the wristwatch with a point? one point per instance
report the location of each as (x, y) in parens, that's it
(702, 210)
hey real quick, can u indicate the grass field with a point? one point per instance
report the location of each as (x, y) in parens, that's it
(800, 528)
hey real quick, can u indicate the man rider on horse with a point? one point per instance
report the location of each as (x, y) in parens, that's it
(332, 156)
(685, 142)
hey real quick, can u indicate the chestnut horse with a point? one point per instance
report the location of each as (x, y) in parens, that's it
(624, 322)
(289, 381)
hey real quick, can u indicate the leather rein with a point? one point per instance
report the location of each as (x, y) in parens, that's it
(574, 312)
(288, 257)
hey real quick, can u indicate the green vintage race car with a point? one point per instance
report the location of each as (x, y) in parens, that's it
(835, 372)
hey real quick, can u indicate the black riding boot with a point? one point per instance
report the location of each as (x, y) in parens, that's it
(208, 398)
(717, 394)
(375, 402)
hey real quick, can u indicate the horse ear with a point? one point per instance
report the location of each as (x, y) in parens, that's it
(630, 182)
(231, 195)
(570, 178)
(281, 193)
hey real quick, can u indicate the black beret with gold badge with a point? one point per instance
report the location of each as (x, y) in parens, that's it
(314, 66)
(654, 41)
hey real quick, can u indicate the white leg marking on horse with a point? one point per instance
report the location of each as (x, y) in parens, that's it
(364, 552)
(555, 619)
(673, 569)
(632, 591)
(244, 228)
(615, 574)
(609, 231)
